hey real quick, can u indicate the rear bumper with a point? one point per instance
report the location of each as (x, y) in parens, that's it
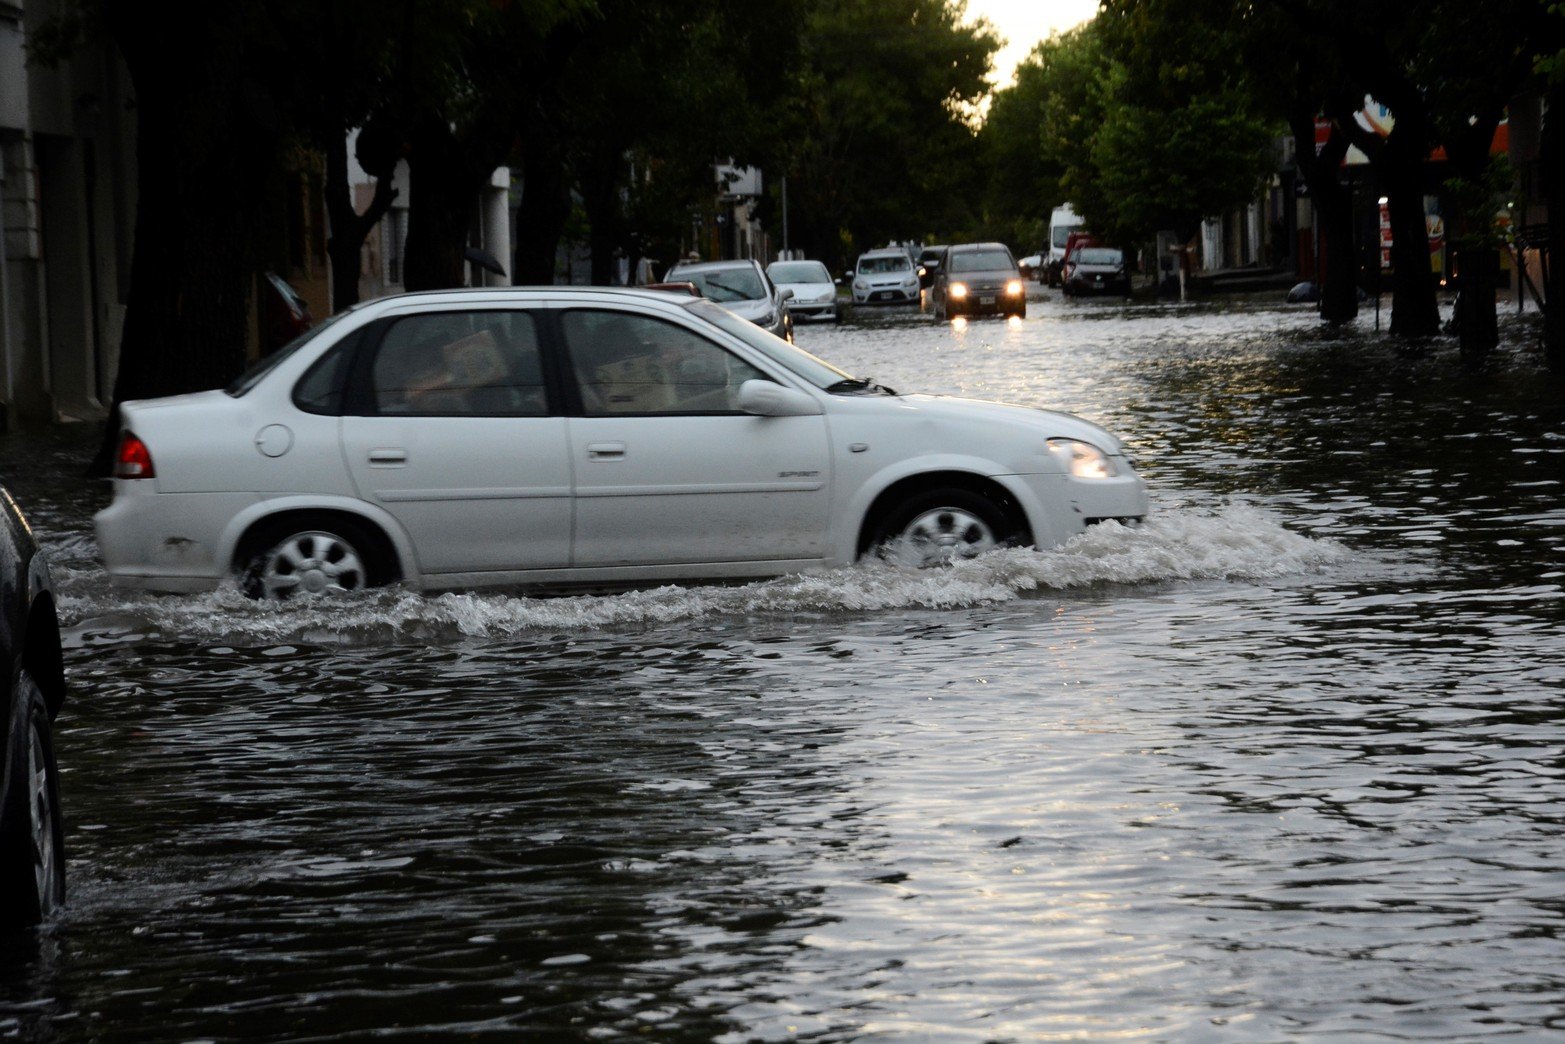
(167, 542)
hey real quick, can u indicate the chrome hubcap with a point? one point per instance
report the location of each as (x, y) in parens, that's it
(311, 563)
(41, 808)
(945, 534)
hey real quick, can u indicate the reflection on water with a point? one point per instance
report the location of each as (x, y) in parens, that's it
(1284, 762)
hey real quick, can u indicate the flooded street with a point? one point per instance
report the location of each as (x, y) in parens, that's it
(1288, 761)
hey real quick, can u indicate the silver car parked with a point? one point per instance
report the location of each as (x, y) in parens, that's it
(743, 288)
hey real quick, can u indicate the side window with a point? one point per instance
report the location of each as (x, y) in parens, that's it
(625, 363)
(460, 364)
(321, 388)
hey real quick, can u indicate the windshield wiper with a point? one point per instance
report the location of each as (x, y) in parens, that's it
(856, 384)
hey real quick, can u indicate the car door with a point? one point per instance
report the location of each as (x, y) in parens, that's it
(454, 435)
(667, 470)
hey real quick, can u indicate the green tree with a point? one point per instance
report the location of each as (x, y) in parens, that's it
(880, 123)
(1182, 136)
(1035, 125)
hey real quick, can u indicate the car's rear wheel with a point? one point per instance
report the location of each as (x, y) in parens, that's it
(321, 557)
(940, 526)
(32, 838)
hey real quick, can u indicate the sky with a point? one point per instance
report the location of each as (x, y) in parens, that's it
(1025, 22)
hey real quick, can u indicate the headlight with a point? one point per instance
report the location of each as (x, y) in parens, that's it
(1082, 460)
(1014, 287)
(958, 290)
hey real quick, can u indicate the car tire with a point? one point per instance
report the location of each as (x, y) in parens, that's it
(323, 556)
(32, 835)
(939, 526)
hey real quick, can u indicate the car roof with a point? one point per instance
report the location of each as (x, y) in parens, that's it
(885, 252)
(966, 247)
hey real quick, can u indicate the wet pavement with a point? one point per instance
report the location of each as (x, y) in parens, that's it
(1285, 762)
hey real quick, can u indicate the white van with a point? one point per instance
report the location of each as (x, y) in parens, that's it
(1062, 222)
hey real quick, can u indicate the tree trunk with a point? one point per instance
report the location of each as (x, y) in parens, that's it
(1552, 149)
(349, 228)
(1415, 311)
(207, 142)
(545, 207)
(442, 205)
(1477, 318)
(1339, 300)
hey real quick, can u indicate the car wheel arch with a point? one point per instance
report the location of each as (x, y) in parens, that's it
(901, 490)
(389, 553)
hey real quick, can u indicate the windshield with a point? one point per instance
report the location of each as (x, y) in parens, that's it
(799, 272)
(263, 366)
(886, 263)
(980, 261)
(818, 372)
(724, 284)
(1099, 256)
(1062, 234)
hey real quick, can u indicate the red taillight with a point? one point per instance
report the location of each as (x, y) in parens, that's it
(133, 461)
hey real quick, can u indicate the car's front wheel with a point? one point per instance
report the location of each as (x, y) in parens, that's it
(940, 526)
(303, 558)
(32, 841)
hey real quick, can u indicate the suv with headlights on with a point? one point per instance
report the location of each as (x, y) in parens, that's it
(979, 279)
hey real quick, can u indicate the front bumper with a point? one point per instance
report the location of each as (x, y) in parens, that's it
(885, 295)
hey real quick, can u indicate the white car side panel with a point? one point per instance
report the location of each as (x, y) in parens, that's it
(473, 493)
(699, 488)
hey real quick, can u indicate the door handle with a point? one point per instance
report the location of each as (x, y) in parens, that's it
(605, 451)
(388, 458)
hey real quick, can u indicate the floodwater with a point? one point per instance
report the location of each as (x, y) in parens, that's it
(1286, 762)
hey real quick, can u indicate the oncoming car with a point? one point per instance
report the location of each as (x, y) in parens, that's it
(32, 851)
(979, 279)
(814, 290)
(885, 276)
(568, 435)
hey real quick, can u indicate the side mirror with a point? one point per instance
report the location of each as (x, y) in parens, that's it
(787, 295)
(770, 399)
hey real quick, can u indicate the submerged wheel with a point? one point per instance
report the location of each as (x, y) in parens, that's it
(32, 838)
(298, 559)
(941, 526)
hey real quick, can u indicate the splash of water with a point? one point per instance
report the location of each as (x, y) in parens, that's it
(1236, 542)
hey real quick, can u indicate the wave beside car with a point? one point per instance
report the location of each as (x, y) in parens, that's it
(569, 435)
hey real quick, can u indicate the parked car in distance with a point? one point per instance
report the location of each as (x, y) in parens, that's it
(742, 288)
(1096, 270)
(665, 439)
(979, 279)
(814, 290)
(929, 261)
(32, 847)
(1029, 265)
(885, 276)
(1062, 223)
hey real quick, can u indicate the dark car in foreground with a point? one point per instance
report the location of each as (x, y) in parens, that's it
(979, 279)
(32, 851)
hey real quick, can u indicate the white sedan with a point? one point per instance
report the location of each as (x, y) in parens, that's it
(567, 435)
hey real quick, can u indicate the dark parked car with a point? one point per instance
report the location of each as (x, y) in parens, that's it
(1096, 270)
(32, 850)
(978, 279)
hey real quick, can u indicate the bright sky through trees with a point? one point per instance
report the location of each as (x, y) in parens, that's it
(1023, 23)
